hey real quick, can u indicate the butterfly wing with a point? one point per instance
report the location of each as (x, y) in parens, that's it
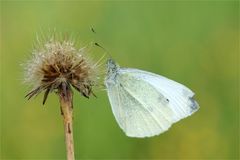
(180, 98)
(140, 110)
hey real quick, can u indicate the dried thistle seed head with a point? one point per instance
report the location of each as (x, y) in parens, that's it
(59, 63)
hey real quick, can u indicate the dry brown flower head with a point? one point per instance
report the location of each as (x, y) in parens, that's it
(59, 65)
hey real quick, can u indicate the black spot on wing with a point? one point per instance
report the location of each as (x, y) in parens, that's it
(121, 85)
(193, 105)
(163, 100)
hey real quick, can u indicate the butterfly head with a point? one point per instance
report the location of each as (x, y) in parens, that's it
(112, 66)
(112, 69)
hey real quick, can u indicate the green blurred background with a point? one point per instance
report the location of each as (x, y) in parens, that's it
(194, 43)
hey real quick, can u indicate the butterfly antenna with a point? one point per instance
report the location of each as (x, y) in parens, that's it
(106, 51)
(93, 30)
(98, 45)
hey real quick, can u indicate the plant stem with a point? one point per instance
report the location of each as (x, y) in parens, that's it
(65, 96)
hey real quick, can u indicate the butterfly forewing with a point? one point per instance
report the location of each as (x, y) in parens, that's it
(180, 97)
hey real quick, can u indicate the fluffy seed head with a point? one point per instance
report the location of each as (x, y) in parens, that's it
(60, 63)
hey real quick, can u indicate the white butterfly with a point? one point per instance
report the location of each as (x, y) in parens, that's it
(146, 104)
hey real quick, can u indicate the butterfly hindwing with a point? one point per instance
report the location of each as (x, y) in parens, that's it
(139, 108)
